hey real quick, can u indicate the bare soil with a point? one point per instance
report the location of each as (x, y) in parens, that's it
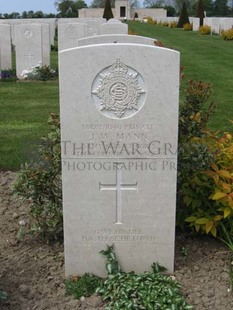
(32, 273)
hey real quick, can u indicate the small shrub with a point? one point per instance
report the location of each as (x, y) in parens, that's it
(7, 75)
(150, 290)
(54, 47)
(82, 286)
(39, 73)
(209, 193)
(196, 111)
(165, 24)
(149, 20)
(188, 27)
(3, 295)
(173, 24)
(205, 30)
(39, 182)
(193, 156)
(227, 34)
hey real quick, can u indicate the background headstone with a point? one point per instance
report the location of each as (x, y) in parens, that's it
(116, 38)
(119, 120)
(5, 47)
(28, 41)
(46, 46)
(69, 34)
(114, 26)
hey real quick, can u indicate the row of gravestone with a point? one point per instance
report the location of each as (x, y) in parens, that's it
(33, 41)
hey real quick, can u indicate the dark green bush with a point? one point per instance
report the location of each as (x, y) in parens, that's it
(108, 14)
(184, 18)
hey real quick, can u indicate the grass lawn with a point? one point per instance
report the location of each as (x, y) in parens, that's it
(24, 111)
(25, 106)
(205, 58)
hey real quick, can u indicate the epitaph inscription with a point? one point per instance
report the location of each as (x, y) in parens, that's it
(71, 32)
(118, 91)
(29, 58)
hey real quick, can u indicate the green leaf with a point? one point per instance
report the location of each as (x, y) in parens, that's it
(202, 221)
(191, 219)
(218, 195)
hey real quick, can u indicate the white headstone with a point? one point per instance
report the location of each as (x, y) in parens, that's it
(116, 38)
(28, 47)
(114, 26)
(119, 119)
(46, 46)
(69, 34)
(196, 23)
(5, 47)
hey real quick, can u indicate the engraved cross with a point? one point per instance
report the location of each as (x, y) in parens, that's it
(29, 56)
(118, 187)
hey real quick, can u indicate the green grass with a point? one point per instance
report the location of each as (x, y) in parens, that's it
(205, 58)
(25, 109)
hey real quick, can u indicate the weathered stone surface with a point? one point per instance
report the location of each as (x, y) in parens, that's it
(119, 115)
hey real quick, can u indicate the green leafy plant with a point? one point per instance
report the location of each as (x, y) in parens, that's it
(112, 265)
(3, 295)
(82, 286)
(150, 290)
(184, 251)
(40, 73)
(196, 111)
(39, 182)
(194, 156)
(7, 75)
(208, 193)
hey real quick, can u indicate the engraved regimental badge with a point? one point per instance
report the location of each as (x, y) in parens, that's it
(118, 91)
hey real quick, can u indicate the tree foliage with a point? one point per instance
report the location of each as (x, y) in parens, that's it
(184, 18)
(101, 3)
(108, 14)
(200, 11)
(26, 14)
(221, 8)
(153, 3)
(69, 8)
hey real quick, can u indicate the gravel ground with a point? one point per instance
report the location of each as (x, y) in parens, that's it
(32, 272)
